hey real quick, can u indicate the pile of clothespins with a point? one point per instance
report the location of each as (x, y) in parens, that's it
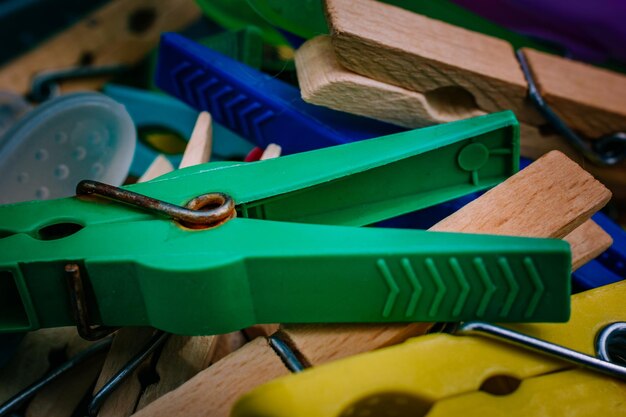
(183, 185)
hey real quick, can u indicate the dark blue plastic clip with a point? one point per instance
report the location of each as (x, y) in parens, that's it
(260, 108)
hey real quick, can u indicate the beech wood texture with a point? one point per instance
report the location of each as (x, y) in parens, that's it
(120, 32)
(591, 100)
(318, 344)
(61, 398)
(198, 149)
(32, 359)
(399, 47)
(323, 81)
(587, 242)
(272, 151)
(127, 343)
(227, 343)
(213, 392)
(161, 165)
(181, 359)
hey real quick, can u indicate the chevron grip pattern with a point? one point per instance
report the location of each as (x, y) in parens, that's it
(498, 288)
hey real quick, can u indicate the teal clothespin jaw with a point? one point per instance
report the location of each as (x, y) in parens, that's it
(284, 251)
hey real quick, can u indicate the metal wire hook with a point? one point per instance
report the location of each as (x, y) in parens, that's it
(24, 395)
(607, 150)
(157, 339)
(191, 214)
(602, 365)
(45, 83)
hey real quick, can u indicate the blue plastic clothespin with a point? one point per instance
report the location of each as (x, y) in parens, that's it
(257, 106)
(148, 108)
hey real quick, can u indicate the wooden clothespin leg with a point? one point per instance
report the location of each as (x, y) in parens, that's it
(393, 45)
(213, 391)
(34, 359)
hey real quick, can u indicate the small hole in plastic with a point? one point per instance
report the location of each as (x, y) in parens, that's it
(388, 404)
(500, 385)
(58, 230)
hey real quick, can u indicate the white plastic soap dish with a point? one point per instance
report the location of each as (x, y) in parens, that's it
(65, 140)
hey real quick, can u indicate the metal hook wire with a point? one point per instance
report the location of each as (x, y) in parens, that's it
(191, 214)
(45, 83)
(607, 150)
(577, 358)
(157, 339)
(27, 393)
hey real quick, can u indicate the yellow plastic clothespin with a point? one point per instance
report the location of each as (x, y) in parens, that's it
(446, 375)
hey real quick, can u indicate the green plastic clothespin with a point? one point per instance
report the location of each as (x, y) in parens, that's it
(237, 14)
(289, 255)
(245, 45)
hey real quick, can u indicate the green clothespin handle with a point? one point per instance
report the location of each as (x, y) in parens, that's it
(236, 15)
(245, 45)
(288, 256)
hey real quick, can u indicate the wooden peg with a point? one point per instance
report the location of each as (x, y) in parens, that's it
(550, 198)
(323, 81)
(127, 343)
(181, 358)
(198, 150)
(260, 330)
(558, 196)
(226, 344)
(213, 392)
(399, 47)
(62, 397)
(32, 359)
(317, 344)
(587, 242)
(272, 151)
(120, 32)
(160, 166)
(589, 99)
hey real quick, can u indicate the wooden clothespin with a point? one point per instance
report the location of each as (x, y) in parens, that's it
(120, 32)
(34, 359)
(553, 197)
(420, 71)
